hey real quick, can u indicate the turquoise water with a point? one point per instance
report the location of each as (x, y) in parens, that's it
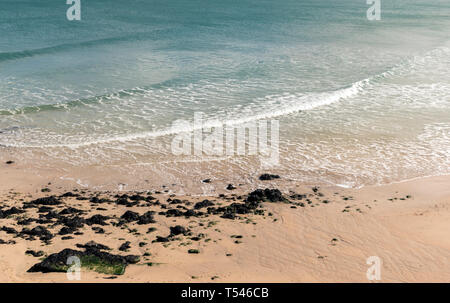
(361, 101)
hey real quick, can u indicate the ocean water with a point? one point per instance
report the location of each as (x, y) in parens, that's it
(359, 102)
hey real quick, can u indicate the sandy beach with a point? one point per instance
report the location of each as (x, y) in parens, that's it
(308, 234)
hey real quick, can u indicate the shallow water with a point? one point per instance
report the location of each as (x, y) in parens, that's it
(358, 102)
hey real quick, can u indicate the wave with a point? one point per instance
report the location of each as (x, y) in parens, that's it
(279, 105)
(311, 101)
(87, 101)
(7, 56)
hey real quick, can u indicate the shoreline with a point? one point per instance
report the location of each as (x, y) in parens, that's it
(324, 236)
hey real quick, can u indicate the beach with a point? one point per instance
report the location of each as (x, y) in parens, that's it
(203, 141)
(318, 234)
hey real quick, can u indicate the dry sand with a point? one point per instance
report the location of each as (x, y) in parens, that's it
(321, 242)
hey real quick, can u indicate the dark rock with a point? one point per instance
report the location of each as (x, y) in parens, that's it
(231, 187)
(74, 222)
(38, 231)
(66, 230)
(9, 162)
(161, 239)
(177, 230)
(57, 262)
(7, 242)
(125, 246)
(130, 216)
(297, 196)
(228, 215)
(124, 201)
(70, 211)
(266, 195)
(174, 201)
(137, 198)
(51, 200)
(69, 194)
(9, 212)
(35, 253)
(174, 213)
(26, 221)
(45, 209)
(9, 230)
(207, 181)
(146, 218)
(97, 219)
(98, 230)
(190, 213)
(93, 245)
(266, 177)
(204, 203)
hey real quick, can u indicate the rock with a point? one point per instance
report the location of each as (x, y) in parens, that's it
(177, 230)
(93, 245)
(9, 162)
(130, 216)
(266, 177)
(97, 219)
(34, 253)
(51, 200)
(66, 230)
(174, 213)
(231, 187)
(228, 215)
(69, 194)
(125, 246)
(91, 258)
(137, 198)
(204, 203)
(39, 231)
(161, 239)
(74, 222)
(146, 218)
(45, 209)
(9, 230)
(297, 196)
(132, 259)
(207, 181)
(26, 221)
(266, 195)
(7, 242)
(190, 213)
(98, 230)
(70, 211)
(9, 212)
(124, 201)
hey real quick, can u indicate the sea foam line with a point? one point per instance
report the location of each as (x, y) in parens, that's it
(321, 99)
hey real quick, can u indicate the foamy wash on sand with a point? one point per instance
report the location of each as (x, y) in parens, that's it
(358, 101)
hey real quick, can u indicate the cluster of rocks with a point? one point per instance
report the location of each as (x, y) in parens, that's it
(68, 220)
